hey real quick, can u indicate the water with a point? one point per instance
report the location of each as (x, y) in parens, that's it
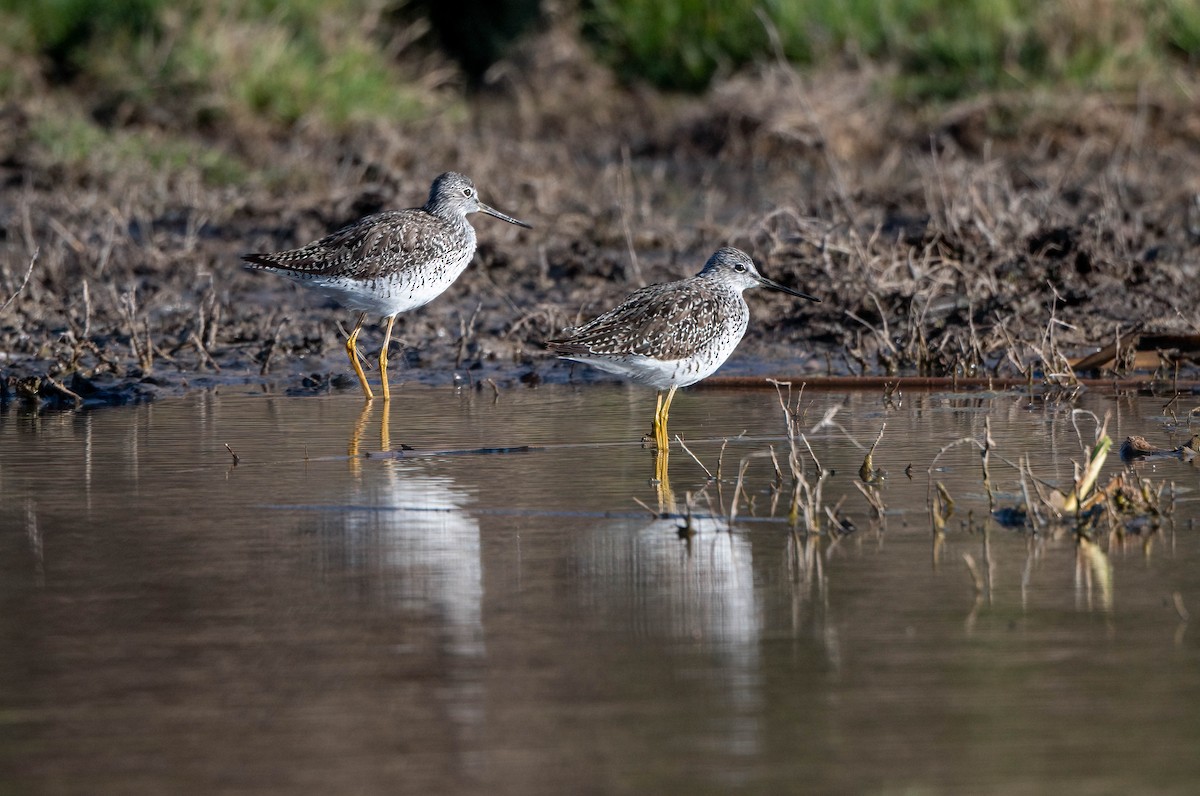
(514, 622)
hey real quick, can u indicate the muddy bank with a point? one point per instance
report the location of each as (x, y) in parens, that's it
(1009, 236)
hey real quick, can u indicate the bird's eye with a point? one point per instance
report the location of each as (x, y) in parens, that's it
(467, 192)
(739, 268)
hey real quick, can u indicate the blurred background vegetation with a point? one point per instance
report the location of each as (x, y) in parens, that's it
(111, 76)
(941, 48)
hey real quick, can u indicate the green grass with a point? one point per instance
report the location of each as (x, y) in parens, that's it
(1181, 26)
(941, 48)
(156, 86)
(329, 63)
(62, 31)
(75, 143)
(317, 61)
(284, 76)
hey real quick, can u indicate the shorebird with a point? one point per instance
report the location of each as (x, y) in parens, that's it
(670, 335)
(390, 262)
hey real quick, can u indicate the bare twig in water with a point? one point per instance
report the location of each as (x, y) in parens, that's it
(1031, 511)
(739, 487)
(988, 444)
(1068, 502)
(1075, 413)
(720, 467)
(828, 421)
(941, 508)
(737, 490)
(936, 496)
(712, 512)
(1093, 566)
(893, 398)
(806, 497)
(874, 499)
(642, 503)
(236, 458)
(867, 471)
(775, 464)
(695, 458)
(1180, 608)
(969, 560)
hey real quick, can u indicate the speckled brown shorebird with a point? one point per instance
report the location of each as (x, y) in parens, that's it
(390, 262)
(674, 334)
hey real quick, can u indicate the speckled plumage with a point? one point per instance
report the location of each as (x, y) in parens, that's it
(672, 334)
(394, 261)
(389, 262)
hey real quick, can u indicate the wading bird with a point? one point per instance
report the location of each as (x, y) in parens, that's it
(673, 334)
(390, 262)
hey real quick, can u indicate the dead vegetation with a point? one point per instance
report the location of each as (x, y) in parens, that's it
(1097, 511)
(1004, 236)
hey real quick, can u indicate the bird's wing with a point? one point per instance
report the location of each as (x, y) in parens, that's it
(362, 250)
(664, 321)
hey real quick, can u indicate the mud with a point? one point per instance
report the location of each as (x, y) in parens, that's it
(1006, 236)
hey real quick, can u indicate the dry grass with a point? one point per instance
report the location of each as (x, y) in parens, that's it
(1000, 235)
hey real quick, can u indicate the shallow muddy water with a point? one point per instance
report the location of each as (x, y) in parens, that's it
(493, 612)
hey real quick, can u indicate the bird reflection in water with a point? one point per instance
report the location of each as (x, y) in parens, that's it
(662, 482)
(406, 541)
(354, 447)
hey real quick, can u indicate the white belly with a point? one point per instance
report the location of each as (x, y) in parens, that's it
(659, 373)
(407, 290)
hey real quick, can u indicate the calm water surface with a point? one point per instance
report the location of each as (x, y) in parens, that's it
(321, 618)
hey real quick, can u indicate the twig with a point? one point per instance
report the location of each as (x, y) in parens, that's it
(196, 341)
(87, 311)
(642, 503)
(737, 489)
(969, 560)
(1180, 608)
(24, 281)
(58, 385)
(144, 354)
(270, 347)
(466, 332)
(236, 458)
(688, 451)
(775, 464)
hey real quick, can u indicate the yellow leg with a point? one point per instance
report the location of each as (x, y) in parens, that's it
(383, 358)
(352, 350)
(654, 427)
(663, 408)
(667, 404)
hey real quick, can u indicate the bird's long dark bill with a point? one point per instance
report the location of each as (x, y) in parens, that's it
(491, 211)
(785, 289)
